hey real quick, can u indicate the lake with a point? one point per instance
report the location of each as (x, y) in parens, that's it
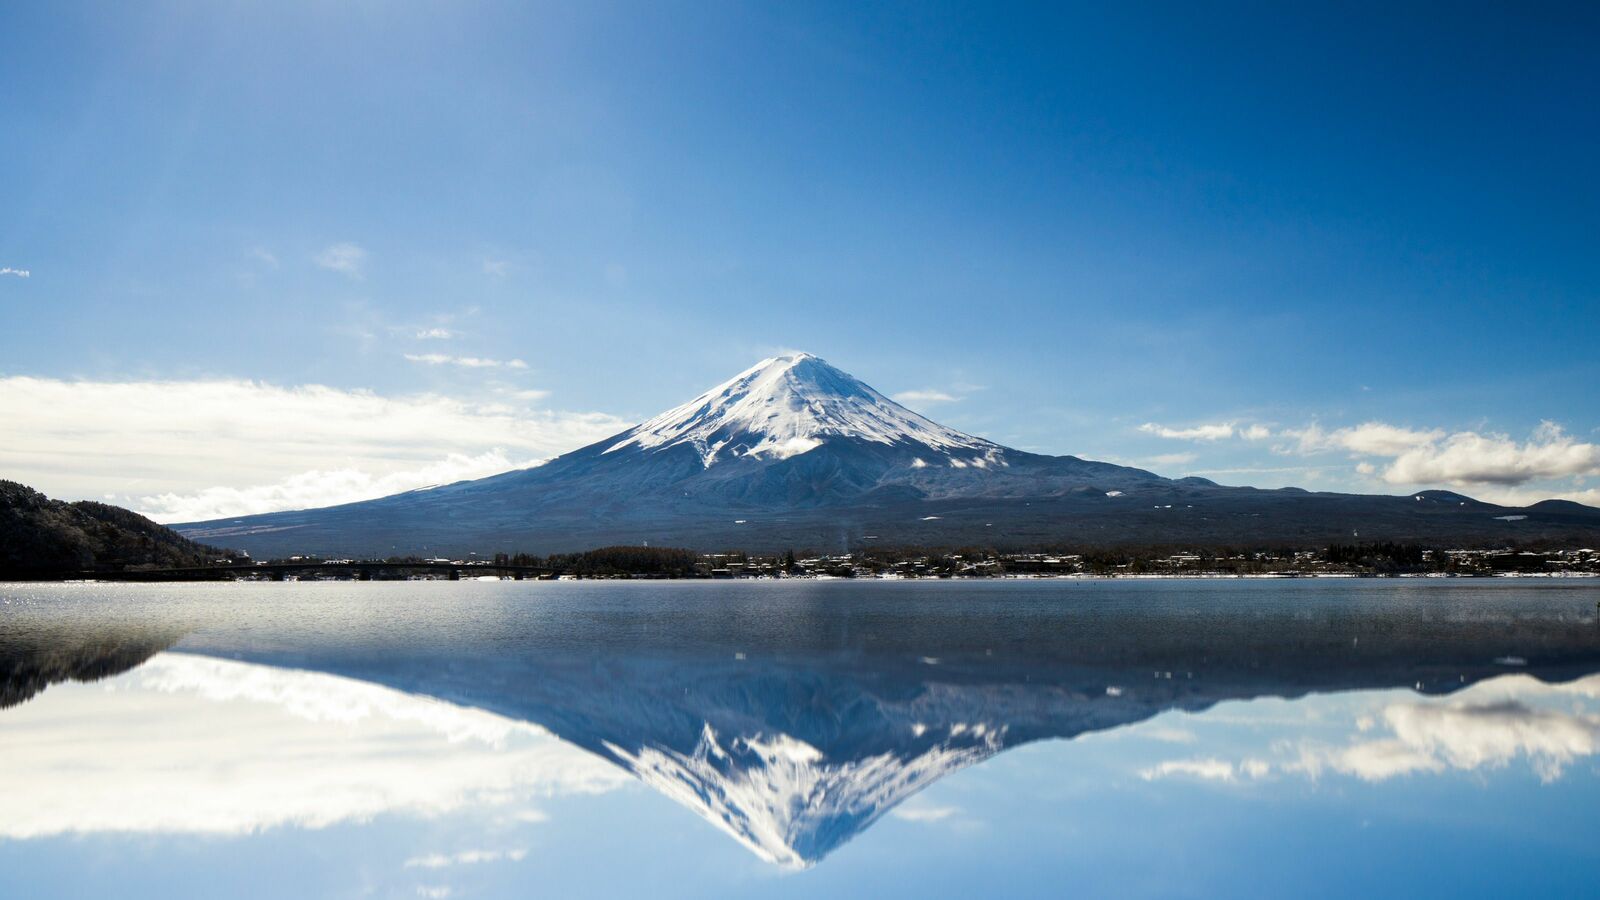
(801, 738)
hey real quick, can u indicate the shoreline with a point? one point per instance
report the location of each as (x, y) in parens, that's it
(134, 578)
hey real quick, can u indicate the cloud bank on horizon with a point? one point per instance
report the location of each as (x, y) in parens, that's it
(1550, 464)
(187, 450)
(184, 451)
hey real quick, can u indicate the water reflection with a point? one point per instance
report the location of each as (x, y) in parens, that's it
(35, 654)
(792, 731)
(1489, 725)
(187, 744)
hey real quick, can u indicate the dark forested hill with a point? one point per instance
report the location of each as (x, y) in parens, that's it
(44, 538)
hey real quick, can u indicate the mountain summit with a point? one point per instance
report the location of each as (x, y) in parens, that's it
(789, 405)
(795, 453)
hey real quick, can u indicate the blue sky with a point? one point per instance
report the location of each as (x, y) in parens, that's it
(1365, 236)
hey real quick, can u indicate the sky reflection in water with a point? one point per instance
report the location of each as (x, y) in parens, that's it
(673, 740)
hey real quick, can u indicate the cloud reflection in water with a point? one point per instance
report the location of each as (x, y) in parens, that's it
(189, 744)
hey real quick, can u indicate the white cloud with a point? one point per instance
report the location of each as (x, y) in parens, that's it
(1208, 769)
(305, 490)
(1255, 432)
(1168, 735)
(464, 858)
(15, 273)
(1368, 438)
(1216, 432)
(435, 334)
(242, 445)
(465, 362)
(1172, 459)
(922, 812)
(191, 745)
(1464, 458)
(1470, 458)
(496, 268)
(344, 258)
(925, 397)
(1255, 768)
(264, 256)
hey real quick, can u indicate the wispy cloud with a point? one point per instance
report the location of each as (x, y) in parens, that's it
(1172, 459)
(344, 258)
(1216, 432)
(435, 334)
(1168, 735)
(464, 858)
(264, 256)
(15, 273)
(929, 396)
(1207, 769)
(465, 362)
(496, 268)
(1370, 438)
(1220, 431)
(922, 812)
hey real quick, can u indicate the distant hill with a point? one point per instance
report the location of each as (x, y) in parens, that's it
(44, 538)
(794, 453)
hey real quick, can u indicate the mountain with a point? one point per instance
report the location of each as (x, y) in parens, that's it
(44, 538)
(794, 452)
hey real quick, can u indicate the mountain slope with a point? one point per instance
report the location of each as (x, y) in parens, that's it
(794, 452)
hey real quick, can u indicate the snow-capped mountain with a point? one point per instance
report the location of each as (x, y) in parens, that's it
(795, 453)
(789, 405)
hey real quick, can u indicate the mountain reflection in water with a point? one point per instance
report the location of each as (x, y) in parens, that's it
(793, 717)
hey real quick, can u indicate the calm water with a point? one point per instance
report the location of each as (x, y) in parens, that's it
(1260, 738)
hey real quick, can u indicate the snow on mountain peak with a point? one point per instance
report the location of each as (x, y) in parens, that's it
(789, 405)
(784, 799)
